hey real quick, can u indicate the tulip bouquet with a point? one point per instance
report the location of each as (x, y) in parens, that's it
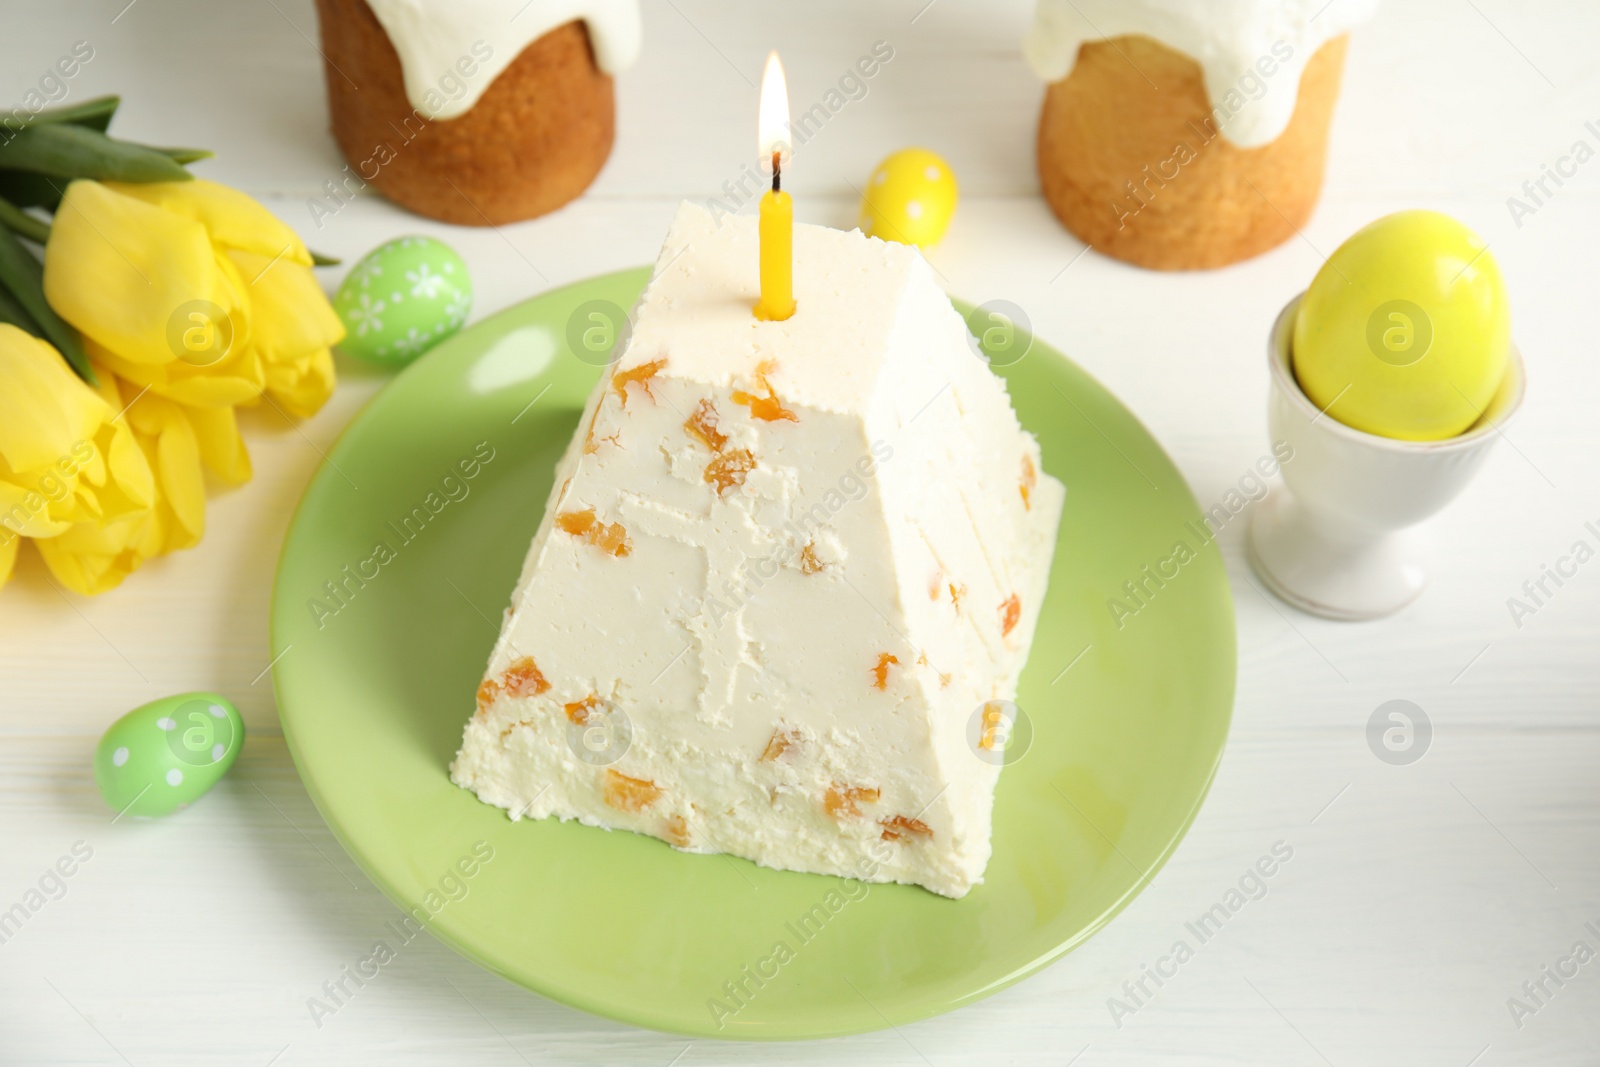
(162, 304)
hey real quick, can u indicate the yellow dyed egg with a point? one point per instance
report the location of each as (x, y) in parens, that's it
(909, 198)
(1405, 331)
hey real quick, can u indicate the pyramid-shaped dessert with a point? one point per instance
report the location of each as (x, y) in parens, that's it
(784, 571)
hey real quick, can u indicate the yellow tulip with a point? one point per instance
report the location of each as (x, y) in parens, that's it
(92, 557)
(177, 440)
(168, 441)
(72, 473)
(194, 290)
(294, 329)
(222, 450)
(174, 440)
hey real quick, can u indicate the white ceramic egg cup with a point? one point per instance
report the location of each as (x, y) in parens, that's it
(1344, 540)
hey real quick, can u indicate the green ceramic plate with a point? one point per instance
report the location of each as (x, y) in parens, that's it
(389, 596)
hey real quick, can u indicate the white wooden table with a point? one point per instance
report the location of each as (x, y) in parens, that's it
(1419, 898)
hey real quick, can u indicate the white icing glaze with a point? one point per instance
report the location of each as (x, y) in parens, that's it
(1236, 42)
(450, 50)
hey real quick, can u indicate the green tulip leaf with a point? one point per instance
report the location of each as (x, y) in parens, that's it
(17, 315)
(23, 276)
(95, 114)
(66, 151)
(31, 190)
(21, 223)
(186, 156)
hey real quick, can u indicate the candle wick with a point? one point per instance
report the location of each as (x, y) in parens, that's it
(777, 182)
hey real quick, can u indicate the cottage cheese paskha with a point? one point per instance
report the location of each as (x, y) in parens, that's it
(783, 567)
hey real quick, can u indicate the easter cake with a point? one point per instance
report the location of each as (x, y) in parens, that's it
(475, 112)
(1181, 135)
(786, 577)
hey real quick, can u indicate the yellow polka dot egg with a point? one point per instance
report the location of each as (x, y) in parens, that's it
(909, 198)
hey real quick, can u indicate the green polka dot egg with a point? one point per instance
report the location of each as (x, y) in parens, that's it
(401, 299)
(909, 198)
(167, 754)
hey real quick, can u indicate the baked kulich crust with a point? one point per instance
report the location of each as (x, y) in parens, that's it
(535, 139)
(1113, 165)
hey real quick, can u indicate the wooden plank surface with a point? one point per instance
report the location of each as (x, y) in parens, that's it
(1419, 898)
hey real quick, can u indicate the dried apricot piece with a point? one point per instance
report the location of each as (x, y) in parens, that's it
(676, 830)
(611, 538)
(523, 678)
(703, 425)
(641, 374)
(589, 447)
(1030, 478)
(576, 523)
(766, 408)
(880, 673)
(488, 690)
(809, 563)
(579, 711)
(993, 720)
(782, 741)
(956, 593)
(729, 469)
(896, 828)
(629, 794)
(1010, 614)
(841, 800)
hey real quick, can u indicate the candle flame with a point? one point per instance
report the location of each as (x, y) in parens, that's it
(773, 128)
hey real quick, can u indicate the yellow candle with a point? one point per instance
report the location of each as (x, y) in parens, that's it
(777, 209)
(777, 256)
